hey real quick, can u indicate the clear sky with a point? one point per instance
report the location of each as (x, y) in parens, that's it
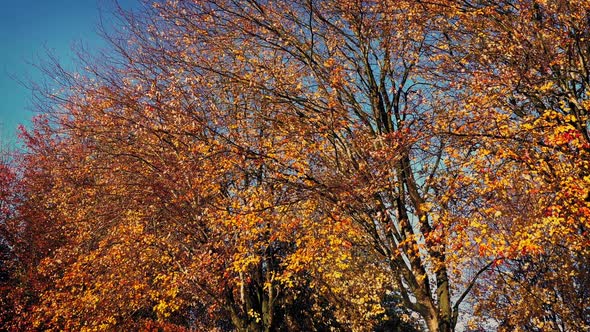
(28, 29)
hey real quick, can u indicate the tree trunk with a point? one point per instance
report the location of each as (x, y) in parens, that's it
(437, 324)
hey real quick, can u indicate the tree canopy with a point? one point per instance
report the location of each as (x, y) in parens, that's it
(310, 165)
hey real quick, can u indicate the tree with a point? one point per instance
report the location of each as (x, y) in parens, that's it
(250, 164)
(356, 85)
(159, 220)
(528, 82)
(276, 135)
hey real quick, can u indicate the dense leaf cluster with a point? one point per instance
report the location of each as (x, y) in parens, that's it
(310, 165)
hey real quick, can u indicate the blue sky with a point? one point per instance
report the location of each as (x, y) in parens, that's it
(28, 29)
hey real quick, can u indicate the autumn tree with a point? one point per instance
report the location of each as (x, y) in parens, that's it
(359, 89)
(150, 201)
(307, 165)
(527, 117)
(8, 260)
(166, 209)
(237, 146)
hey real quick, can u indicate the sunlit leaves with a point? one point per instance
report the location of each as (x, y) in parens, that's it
(312, 165)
